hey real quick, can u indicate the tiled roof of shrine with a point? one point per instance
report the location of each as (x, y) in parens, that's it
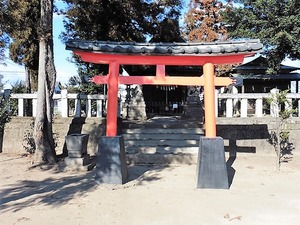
(199, 48)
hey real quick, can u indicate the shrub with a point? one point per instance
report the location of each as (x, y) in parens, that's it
(4, 112)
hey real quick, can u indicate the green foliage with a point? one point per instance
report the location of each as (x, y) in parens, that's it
(127, 20)
(4, 113)
(280, 137)
(4, 40)
(275, 23)
(18, 87)
(22, 26)
(285, 106)
(80, 84)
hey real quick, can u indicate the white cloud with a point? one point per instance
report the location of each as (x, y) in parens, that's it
(11, 73)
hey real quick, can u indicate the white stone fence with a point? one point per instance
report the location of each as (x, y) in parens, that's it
(227, 105)
(67, 104)
(252, 105)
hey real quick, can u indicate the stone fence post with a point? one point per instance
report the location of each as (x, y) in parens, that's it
(64, 103)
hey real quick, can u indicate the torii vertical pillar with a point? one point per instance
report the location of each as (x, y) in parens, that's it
(112, 103)
(211, 166)
(111, 165)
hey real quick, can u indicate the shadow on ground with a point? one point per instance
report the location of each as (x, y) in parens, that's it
(50, 191)
(230, 169)
(59, 189)
(141, 174)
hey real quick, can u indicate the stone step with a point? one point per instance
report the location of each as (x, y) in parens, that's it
(162, 142)
(161, 136)
(163, 131)
(161, 150)
(162, 125)
(152, 159)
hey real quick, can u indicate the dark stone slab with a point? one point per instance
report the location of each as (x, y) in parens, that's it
(77, 144)
(211, 167)
(111, 165)
(75, 154)
(78, 163)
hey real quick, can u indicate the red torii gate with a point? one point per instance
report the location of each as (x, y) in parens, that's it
(162, 54)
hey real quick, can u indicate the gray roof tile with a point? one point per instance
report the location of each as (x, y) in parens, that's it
(201, 48)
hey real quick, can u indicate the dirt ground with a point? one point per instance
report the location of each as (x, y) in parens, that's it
(154, 195)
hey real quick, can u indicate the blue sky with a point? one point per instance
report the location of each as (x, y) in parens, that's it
(64, 68)
(12, 72)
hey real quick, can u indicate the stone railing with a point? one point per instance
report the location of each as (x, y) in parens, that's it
(65, 104)
(227, 105)
(251, 105)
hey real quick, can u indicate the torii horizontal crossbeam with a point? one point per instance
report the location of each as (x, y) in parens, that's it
(165, 80)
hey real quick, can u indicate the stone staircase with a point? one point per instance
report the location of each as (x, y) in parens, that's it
(162, 140)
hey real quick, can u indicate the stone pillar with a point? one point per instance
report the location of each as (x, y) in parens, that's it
(193, 108)
(259, 107)
(136, 107)
(111, 165)
(64, 103)
(77, 106)
(20, 107)
(274, 106)
(34, 105)
(244, 107)
(211, 166)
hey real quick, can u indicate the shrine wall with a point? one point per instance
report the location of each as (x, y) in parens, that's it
(248, 135)
(15, 131)
(252, 135)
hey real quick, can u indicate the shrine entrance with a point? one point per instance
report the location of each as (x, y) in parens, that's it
(164, 100)
(212, 171)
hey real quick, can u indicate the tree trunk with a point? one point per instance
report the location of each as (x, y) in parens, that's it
(45, 146)
(27, 80)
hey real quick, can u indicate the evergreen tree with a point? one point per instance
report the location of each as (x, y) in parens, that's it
(22, 27)
(276, 23)
(3, 37)
(127, 20)
(114, 20)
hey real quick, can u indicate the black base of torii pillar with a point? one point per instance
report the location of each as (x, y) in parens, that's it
(111, 165)
(211, 166)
